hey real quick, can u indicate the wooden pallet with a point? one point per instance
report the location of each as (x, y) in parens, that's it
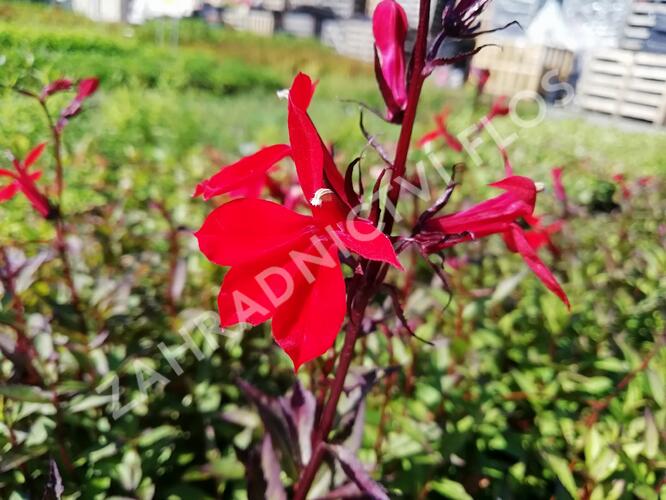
(350, 37)
(640, 21)
(516, 66)
(626, 84)
(299, 24)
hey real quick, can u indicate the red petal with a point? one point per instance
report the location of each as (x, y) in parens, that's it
(428, 138)
(244, 230)
(242, 298)
(33, 156)
(55, 87)
(86, 88)
(307, 148)
(521, 187)
(9, 191)
(364, 239)
(302, 90)
(307, 324)
(389, 26)
(35, 197)
(243, 172)
(536, 264)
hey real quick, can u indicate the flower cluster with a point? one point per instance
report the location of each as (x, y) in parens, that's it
(286, 265)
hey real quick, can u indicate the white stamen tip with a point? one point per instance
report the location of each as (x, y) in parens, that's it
(316, 200)
(540, 186)
(283, 94)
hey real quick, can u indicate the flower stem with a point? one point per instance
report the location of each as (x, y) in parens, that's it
(328, 415)
(361, 298)
(415, 87)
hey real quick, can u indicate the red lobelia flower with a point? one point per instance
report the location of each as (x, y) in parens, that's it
(85, 89)
(498, 215)
(389, 26)
(285, 265)
(24, 181)
(443, 132)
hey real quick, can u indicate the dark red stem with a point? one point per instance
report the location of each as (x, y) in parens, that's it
(374, 276)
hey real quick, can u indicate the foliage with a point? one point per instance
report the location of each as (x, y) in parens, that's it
(516, 398)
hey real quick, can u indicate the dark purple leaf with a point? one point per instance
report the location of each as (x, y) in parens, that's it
(357, 473)
(54, 488)
(270, 466)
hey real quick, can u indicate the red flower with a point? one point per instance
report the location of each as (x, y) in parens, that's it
(86, 88)
(55, 87)
(621, 181)
(558, 187)
(285, 265)
(497, 215)
(23, 180)
(441, 131)
(482, 76)
(389, 26)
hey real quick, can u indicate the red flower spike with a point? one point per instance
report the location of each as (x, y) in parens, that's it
(245, 173)
(517, 240)
(54, 87)
(85, 89)
(24, 181)
(285, 265)
(389, 27)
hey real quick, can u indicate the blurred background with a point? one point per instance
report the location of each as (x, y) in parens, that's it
(516, 398)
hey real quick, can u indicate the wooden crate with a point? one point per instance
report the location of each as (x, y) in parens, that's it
(626, 84)
(516, 66)
(640, 21)
(261, 22)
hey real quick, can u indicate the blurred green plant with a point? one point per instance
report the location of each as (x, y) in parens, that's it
(517, 399)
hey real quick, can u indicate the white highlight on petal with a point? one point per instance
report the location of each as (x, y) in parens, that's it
(283, 94)
(316, 200)
(540, 187)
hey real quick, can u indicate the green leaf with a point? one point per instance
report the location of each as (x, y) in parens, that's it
(657, 387)
(450, 489)
(593, 445)
(651, 436)
(561, 469)
(26, 393)
(605, 464)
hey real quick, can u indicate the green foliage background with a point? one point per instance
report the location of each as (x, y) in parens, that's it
(516, 399)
